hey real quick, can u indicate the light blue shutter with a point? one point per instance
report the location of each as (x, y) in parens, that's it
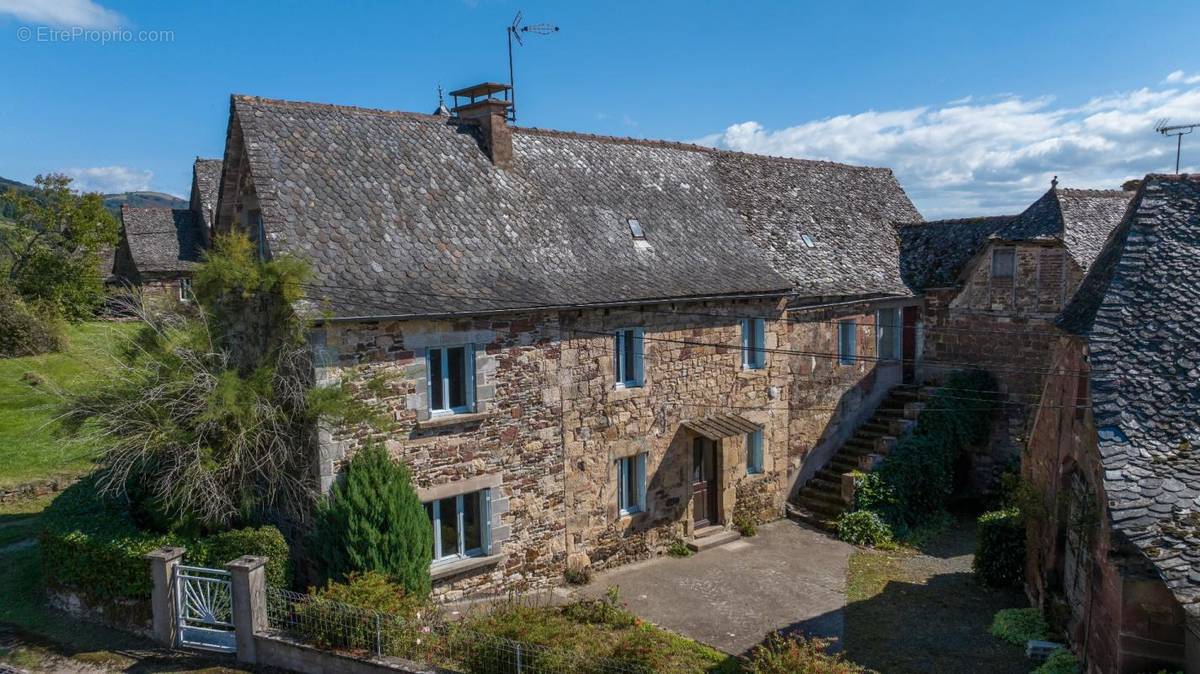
(617, 342)
(641, 481)
(469, 366)
(745, 342)
(853, 350)
(486, 521)
(639, 346)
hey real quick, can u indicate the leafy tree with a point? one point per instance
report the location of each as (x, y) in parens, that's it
(50, 252)
(373, 521)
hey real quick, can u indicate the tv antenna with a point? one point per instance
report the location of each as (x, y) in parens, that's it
(514, 31)
(1177, 130)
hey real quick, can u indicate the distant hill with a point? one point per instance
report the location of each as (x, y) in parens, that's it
(113, 202)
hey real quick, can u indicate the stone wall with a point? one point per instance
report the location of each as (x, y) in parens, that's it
(510, 443)
(687, 377)
(1112, 605)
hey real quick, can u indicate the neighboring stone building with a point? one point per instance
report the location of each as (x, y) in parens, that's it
(159, 247)
(992, 287)
(1115, 549)
(587, 354)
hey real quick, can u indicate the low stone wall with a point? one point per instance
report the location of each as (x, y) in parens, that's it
(278, 651)
(128, 615)
(35, 489)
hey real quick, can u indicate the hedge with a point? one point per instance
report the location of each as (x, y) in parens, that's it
(1000, 552)
(26, 330)
(90, 544)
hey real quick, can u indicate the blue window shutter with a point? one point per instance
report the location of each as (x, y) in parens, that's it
(617, 342)
(639, 347)
(641, 481)
(746, 342)
(853, 342)
(485, 518)
(469, 366)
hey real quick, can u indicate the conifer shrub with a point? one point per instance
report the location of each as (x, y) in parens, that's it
(373, 521)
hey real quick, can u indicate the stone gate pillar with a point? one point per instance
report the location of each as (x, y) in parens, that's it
(162, 598)
(249, 587)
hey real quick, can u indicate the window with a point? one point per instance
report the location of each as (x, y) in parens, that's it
(260, 233)
(887, 331)
(807, 240)
(847, 342)
(1003, 262)
(460, 526)
(635, 229)
(627, 361)
(754, 453)
(451, 379)
(631, 484)
(753, 343)
(185, 289)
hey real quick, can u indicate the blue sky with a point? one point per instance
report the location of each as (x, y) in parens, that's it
(974, 105)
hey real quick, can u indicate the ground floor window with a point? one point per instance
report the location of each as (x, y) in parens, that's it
(460, 526)
(847, 342)
(887, 329)
(185, 289)
(631, 484)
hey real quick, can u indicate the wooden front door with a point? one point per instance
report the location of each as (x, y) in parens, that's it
(704, 482)
(908, 343)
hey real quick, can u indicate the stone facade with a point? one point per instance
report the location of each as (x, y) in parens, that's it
(550, 423)
(1006, 326)
(1115, 608)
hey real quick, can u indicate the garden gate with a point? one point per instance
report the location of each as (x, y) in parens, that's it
(205, 608)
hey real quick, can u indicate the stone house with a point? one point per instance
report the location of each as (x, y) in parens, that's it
(992, 287)
(1115, 547)
(158, 247)
(592, 347)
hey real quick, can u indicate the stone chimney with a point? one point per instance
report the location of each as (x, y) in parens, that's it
(491, 115)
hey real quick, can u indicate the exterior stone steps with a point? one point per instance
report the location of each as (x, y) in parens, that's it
(710, 530)
(713, 540)
(819, 503)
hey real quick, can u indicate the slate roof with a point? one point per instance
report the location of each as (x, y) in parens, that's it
(207, 175)
(404, 214)
(845, 211)
(933, 254)
(1139, 308)
(936, 254)
(162, 239)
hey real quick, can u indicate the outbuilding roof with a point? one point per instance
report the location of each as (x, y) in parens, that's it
(404, 214)
(1139, 308)
(162, 239)
(937, 253)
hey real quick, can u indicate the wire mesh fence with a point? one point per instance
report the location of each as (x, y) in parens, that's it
(425, 638)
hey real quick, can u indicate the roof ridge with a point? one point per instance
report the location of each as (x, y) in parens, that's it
(539, 131)
(1094, 192)
(955, 221)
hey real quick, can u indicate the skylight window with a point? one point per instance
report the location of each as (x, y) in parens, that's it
(635, 228)
(808, 241)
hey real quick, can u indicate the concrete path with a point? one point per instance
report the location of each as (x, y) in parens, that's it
(787, 577)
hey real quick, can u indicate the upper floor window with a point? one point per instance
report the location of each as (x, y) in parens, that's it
(631, 483)
(627, 357)
(847, 342)
(451, 379)
(635, 229)
(460, 526)
(185, 289)
(260, 233)
(754, 355)
(887, 331)
(754, 452)
(1003, 262)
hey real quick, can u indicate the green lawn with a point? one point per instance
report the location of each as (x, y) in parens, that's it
(29, 447)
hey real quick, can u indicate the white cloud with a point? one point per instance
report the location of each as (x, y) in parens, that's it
(993, 155)
(63, 13)
(110, 179)
(1180, 77)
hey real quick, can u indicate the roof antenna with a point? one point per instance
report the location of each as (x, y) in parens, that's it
(1179, 131)
(515, 30)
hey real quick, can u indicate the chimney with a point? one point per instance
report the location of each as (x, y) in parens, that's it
(491, 115)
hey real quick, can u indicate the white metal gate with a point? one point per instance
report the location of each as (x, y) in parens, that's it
(204, 604)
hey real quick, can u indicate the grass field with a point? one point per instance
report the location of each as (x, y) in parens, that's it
(30, 449)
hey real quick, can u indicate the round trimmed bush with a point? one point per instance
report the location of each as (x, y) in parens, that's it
(1019, 625)
(863, 527)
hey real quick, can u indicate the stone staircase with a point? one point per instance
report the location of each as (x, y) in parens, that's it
(820, 501)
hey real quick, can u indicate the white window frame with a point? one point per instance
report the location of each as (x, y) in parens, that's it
(440, 408)
(185, 289)
(754, 343)
(847, 353)
(485, 508)
(880, 325)
(631, 499)
(638, 376)
(754, 452)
